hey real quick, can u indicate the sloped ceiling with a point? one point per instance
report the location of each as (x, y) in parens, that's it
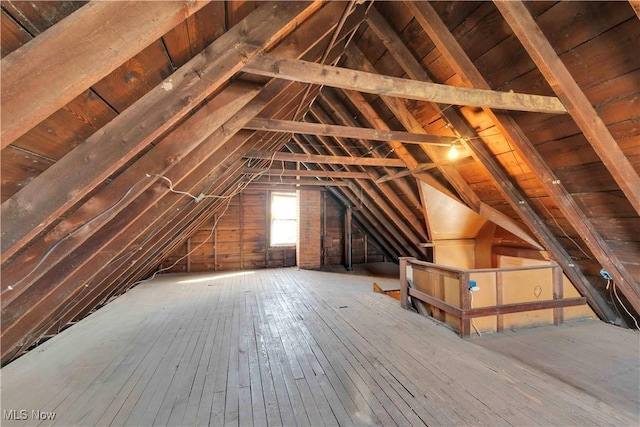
(106, 106)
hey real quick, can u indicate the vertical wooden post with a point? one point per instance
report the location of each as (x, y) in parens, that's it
(215, 243)
(324, 229)
(348, 239)
(465, 305)
(404, 284)
(366, 249)
(267, 226)
(499, 301)
(558, 312)
(189, 255)
(437, 292)
(241, 230)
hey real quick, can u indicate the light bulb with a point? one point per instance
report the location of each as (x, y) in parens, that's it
(453, 152)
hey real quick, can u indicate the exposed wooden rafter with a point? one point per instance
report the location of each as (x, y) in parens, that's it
(396, 208)
(458, 59)
(564, 85)
(309, 128)
(120, 240)
(357, 60)
(41, 202)
(359, 196)
(332, 160)
(306, 182)
(166, 158)
(423, 167)
(344, 78)
(59, 65)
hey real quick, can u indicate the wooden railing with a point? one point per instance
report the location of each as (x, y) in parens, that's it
(444, 276)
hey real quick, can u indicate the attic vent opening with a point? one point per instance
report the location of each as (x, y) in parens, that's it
(284, 219)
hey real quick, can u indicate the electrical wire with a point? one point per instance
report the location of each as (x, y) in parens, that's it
(535, 194)
(615, 292)
(537, 197)
(239, 188)
(213, 228)
(71, 234)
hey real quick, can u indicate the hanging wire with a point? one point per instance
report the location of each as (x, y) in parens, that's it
(535, 194)
(611, 284)
(537, 197)
(71, 234)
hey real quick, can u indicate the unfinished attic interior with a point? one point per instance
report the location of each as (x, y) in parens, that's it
(199, 198)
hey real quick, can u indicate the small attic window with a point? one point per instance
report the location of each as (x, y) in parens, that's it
(284, 219)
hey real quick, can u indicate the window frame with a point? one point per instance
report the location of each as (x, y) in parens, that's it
(273, 218)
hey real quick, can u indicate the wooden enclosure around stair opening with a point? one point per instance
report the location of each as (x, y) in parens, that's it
(448, 292)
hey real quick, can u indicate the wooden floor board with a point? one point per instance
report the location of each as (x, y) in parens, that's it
(321, 366)
(289, 347)
(316, 405)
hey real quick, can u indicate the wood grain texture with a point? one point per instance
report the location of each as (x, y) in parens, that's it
(47, 67)
(317, 346)
(309, 128)
(12, 35)
(536, 44)
(343, 78)
(467, 70)
(129, 133)
(326, 159)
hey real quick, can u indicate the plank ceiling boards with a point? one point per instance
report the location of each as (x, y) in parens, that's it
(106, 106)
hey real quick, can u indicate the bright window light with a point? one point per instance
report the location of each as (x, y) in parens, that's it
(284, 219)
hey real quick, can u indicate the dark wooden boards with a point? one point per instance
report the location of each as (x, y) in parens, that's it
(126, 135)
(47, 67)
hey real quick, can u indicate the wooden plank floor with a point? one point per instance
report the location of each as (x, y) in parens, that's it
(601, 359)
(280, 347)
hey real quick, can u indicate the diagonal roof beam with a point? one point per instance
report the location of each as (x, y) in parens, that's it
(337, 106)
(54, 191)
(171, 153)
(44, 75)
(320, 158)
(308, 128)
(358, 196)
(395, 204)
(460, 62)
(357, 60)
(146, 213)
(555, 72)
(635, 4)
(109, 280)
(344, 78)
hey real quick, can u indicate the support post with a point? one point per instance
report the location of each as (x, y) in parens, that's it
(558, 312)
(189, 255)
(348, 239)
(404, 283)
(465, 305)
(499, 301)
